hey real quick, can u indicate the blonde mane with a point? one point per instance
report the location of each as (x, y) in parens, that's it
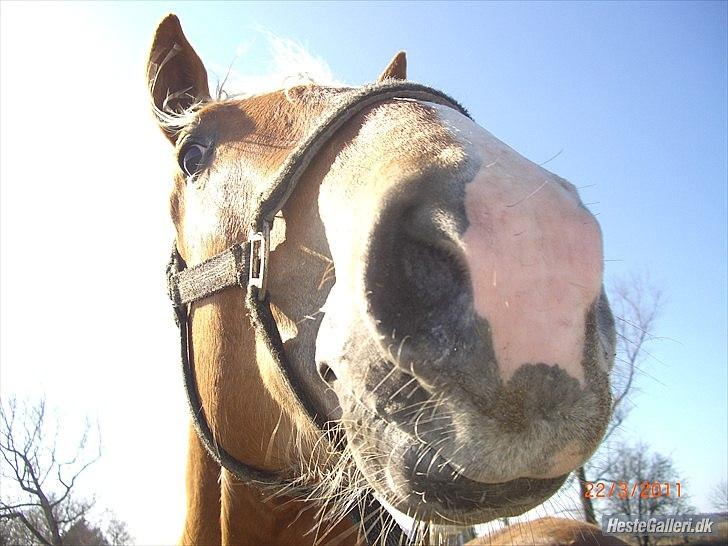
(290, 64)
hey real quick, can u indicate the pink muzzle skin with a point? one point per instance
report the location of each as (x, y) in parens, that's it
(535, 260)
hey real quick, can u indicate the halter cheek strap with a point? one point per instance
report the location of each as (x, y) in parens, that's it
(245, 265)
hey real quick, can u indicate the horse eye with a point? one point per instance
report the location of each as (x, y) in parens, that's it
(191, 159)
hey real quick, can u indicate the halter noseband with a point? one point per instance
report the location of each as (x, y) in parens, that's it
(245, 265)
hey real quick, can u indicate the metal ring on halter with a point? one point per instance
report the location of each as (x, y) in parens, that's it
(259, 243)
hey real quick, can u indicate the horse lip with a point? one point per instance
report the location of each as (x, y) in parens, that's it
(423, 478)
(511, 495)
(450, 497)
(459, 475)
(446, 464)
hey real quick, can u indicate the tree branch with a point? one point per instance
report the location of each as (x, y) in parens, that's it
(46, 505)
(30, 527)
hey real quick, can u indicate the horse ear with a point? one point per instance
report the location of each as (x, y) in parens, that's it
(176, 77)
(397, 68)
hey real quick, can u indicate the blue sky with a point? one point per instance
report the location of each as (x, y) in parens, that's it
(633, 93)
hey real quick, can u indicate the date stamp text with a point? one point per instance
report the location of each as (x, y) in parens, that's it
(632, 490)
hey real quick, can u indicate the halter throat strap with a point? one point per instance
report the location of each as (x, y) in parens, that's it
(245, 265)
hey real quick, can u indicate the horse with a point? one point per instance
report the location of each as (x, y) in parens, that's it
(418, 323)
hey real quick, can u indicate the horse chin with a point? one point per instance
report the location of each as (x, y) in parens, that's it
(416, 480)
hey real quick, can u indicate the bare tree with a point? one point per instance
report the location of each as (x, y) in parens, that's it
(636, 304)
(83, 533)
(117, 533)
(39, 488)
(652, 473)
(719, 496)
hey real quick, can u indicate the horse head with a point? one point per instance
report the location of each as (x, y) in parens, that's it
(438, 295)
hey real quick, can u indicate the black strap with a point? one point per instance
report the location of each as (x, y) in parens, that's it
(244, 472)
(229, 268)
(357, 100)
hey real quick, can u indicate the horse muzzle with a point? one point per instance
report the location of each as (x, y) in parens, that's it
(437, 414)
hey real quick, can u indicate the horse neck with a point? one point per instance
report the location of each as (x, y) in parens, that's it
(245, 419)
(252, 516)
(250, 424)
(222, 510)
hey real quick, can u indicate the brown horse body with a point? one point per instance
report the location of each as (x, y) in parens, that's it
(465, 317)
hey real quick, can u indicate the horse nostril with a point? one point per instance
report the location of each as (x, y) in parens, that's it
(434, 274)
(325, 372)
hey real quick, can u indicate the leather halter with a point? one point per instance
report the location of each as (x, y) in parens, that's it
(245, 265)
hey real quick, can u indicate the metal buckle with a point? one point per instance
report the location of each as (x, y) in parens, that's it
(259, 250)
